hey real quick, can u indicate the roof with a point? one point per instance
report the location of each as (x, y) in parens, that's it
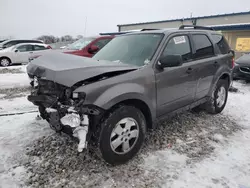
(240, 26)
(39, 44)
(162, 30)
(221, 27)
(181, 19)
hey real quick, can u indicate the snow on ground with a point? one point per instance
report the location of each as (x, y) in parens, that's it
(21, 68)
(20, 104)
(228, 166)
(190, 150)
(15, 133)
(14, 77)
(14, 80)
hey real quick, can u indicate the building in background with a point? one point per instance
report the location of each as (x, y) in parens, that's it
(234, 26)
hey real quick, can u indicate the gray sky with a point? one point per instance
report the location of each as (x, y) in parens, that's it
(32, 18)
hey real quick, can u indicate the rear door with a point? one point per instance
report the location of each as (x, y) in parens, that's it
(206, 62)
(176, 85)
(38, 50)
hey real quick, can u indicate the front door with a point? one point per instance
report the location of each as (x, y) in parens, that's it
(23, 53)
(176, 86)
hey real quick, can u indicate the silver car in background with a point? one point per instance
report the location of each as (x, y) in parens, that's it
(21, 53)
(8, 43)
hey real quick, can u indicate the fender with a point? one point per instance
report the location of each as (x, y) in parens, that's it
(122, 92)
(107, 96)
(220, 72)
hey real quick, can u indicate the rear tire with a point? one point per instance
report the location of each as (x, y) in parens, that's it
(219, 98)
(122, 134)
(5, 62)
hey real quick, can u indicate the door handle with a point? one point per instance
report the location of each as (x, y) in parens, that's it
(189, 70)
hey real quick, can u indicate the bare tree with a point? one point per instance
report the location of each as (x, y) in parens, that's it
(66, 38)
(79, 37)
(48, 39)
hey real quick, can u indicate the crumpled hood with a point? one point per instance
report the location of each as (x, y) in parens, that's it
(244, 60)
(68, 69)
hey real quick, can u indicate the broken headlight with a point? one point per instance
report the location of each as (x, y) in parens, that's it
(79, 95)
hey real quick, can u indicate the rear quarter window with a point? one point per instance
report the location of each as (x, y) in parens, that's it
(221, 43)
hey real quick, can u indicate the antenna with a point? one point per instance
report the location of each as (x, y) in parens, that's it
(85, 27)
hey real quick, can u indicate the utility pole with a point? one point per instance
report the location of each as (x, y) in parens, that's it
(85, 29)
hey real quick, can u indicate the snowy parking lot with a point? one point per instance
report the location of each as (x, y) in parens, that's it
(188, 150)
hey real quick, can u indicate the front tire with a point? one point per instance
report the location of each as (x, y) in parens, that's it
(122, 134)
(5, 62)
(219, 98)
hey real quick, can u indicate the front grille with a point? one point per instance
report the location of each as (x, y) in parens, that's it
(245, 70)
(46, 87)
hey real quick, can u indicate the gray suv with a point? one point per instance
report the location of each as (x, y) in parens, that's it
(112, 99)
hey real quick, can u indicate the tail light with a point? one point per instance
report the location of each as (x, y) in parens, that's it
(233, 62)
(49, 47)
(233, 57)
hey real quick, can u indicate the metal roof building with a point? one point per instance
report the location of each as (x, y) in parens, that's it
(234, 26)
(216, 20)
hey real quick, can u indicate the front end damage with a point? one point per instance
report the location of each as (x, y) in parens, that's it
(64, 110)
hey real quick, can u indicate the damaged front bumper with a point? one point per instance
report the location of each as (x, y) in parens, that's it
(64, 114)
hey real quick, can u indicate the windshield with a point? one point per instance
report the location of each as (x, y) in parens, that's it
(135, 49)
(80, 44)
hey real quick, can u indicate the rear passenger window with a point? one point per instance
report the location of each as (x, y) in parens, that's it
(221, 43)
(38, 47)
(179, 45)
(203, 45)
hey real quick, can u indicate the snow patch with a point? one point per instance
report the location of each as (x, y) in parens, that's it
(14, 80)
(16, 105)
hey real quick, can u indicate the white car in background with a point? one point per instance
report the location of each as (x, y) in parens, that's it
(21, 53)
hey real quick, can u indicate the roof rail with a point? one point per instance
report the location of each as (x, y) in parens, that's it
(196, 27)
(148, 29)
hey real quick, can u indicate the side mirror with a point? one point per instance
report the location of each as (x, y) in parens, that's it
(170, 61)
(93, 49)
(16, 50)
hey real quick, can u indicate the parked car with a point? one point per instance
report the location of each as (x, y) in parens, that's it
(2, 40)
(242, 68)
(87, 46)
(9, 43)
(21, 53)
(138, 79)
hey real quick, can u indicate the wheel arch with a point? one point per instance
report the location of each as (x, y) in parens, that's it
(223, 76)
(143, 107)
(139, 104)
(5, 57)
(227, 77)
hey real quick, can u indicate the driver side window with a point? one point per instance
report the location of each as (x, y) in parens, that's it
(179, 45)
